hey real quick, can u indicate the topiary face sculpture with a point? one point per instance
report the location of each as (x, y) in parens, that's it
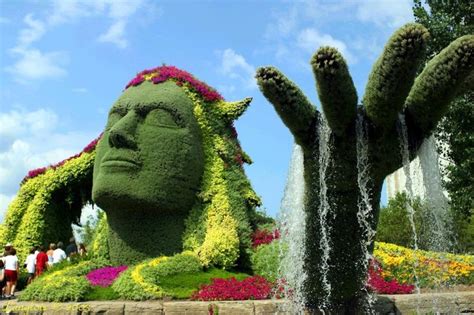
(151, 157)
(391, 89)
(156, 166)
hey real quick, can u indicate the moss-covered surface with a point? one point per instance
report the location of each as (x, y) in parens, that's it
(182, 184)
(389, 84)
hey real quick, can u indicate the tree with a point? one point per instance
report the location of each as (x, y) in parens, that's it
(446, 21)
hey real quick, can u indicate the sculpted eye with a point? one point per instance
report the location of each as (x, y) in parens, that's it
(161, 118)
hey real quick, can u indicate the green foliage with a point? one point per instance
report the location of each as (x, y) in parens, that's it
(46, 205)
(289, 101)
(266, 259)
(143, 281)
(98, 293)
(99, 247)
(446, 21)
(65, 282)
(394, 225)
(336, 90)
(385, 93)
(183, 285)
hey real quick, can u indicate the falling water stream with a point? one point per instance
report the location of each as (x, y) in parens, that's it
(365, 210)
(292, 220)
(405, 154)
(324, 133)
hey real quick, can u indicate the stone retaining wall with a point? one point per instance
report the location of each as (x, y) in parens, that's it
(444, 303)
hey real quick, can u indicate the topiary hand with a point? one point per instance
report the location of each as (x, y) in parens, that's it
(391, 89)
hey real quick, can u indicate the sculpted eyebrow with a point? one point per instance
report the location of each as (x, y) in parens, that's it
(121, 110)
(144, 109)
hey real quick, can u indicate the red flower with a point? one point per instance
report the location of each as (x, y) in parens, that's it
(251, 288)
(379, 285)
(260, 237)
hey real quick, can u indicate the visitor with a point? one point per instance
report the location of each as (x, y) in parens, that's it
(30, 263)
(3, 279)
(71, 249)
(11, 272)
(50, 252)
(58, 254)
(82, 250)
(41, 261)
(7, 249)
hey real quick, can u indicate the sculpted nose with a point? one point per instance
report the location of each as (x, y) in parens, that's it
(122, 134)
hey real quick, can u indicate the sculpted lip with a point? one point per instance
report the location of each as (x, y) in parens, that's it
(119, 161)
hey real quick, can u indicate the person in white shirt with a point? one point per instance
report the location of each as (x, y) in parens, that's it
(30, 264)
(11, 272)
(58, 254)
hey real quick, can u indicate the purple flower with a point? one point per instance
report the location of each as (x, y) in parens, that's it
(104, 277)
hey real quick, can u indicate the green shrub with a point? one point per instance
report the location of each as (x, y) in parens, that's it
(265, 260)
(143, 281)
(98, 293)
(64, 282)
(183, 285)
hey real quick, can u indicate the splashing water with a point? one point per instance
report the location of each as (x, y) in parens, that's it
(365, 210)
(324, 133)
(405, 153)
(292, 218)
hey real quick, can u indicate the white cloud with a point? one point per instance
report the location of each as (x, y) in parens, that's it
(4, 202)
(389, 13)
(34, 64)
(235, 66)
(30, 140)
(35, 30)
(115, 34)
(311, 39)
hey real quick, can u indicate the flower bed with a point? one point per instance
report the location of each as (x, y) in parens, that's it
(104, 277)
(251, 288)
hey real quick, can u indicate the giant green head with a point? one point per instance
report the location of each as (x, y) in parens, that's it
(150, 157)
(168, 171)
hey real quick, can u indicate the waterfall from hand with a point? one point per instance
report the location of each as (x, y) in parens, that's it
(292, 220)
(365, 210)
(405, 154)
(324, 134)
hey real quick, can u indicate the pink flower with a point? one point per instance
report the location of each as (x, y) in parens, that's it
(104, 277)
(165, 73)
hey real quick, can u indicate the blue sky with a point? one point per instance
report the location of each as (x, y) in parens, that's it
(63, 63)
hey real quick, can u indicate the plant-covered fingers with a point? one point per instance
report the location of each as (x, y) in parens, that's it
(336, 90)
(393, 74)
(291, 104)
(439, 83)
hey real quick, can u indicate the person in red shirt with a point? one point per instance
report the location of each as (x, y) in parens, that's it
(41, 261)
